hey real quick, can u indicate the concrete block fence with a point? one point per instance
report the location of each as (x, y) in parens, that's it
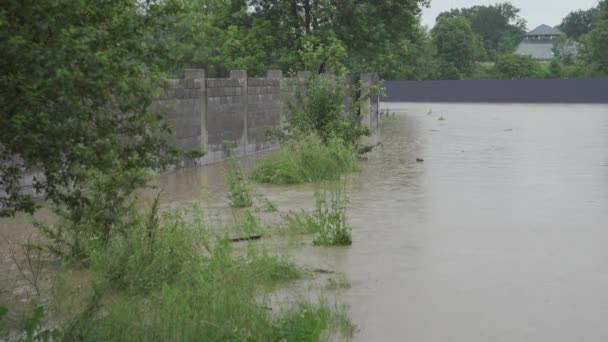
(207, 112)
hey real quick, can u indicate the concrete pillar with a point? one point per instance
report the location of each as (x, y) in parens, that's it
(198, 75)
(365, 80)
(241, 76)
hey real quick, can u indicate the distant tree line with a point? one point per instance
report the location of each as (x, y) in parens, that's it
(480, 43)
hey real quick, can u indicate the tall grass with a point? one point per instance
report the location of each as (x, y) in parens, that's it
(328, 220)
(239, 191)
(174, 278)
(306, 160)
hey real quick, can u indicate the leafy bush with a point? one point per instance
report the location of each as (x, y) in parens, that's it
(306, 160)
(100, 211)
(518, 67)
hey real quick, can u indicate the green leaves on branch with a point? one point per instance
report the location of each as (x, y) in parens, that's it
(78, 79)
(458, 47)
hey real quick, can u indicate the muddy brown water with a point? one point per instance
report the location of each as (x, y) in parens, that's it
(501, 234)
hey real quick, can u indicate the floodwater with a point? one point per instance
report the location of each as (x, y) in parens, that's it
(501, 234)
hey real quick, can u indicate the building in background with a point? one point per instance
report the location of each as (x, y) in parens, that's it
(539, 43)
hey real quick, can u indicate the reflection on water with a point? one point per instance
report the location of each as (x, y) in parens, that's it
(500, 235)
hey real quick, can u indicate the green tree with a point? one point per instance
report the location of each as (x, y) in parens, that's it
(578, 23)
(555, 68)
(594, 49)
(518, 67)
(458, 47)
(77, 80)
(498, 25)
(597, 46)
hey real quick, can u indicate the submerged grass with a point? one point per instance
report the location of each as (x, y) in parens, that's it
(249, 224)
(306, 160)
(176, 279)
(328, 220)
(240, 193)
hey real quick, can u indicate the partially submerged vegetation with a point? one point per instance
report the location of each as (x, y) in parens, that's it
(306, 160)
(239, 191)
(173, 276)
(322, 137)
(328, 220)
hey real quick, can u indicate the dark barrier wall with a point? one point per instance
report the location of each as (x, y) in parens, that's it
(512, 91)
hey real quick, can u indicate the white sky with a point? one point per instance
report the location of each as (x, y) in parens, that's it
(536, 12)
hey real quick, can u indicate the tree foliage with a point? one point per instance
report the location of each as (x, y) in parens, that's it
(518, 67)
(458, 47)
(597, 45)
(77, 81)
(263, 34)
(578, 23)
(594, 47)
(498, 25)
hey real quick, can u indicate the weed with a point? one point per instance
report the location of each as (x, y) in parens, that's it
(148, 255)
(334, 229)
(249, 224)
(306, 160)
(239, 192)
(270, 268)
(328, 220)
(302, 223)
(159, 284)
(266, 204)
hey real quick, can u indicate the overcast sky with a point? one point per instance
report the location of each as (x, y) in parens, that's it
(536, 12)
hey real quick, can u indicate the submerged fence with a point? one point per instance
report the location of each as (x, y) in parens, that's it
(499, 91)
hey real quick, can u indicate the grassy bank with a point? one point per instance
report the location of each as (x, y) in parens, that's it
(306, 160)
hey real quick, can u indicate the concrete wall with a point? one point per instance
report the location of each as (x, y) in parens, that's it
(500, 91)
(207, 112)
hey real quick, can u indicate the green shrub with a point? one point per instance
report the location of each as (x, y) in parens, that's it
(306, 160)
(101, 211)
(518, 67)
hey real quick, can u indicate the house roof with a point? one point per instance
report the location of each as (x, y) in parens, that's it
(544, 30)
(542, 50)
